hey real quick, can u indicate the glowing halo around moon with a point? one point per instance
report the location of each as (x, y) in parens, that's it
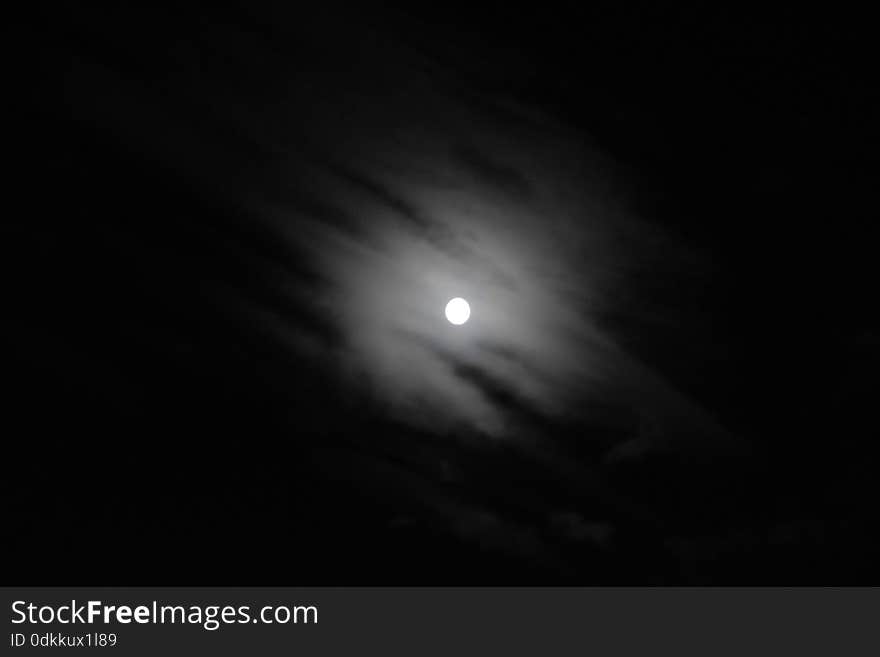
(458, 311)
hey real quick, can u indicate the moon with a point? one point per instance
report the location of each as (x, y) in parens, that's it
(458, 311)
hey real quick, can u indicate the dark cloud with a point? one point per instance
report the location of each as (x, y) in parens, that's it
(506, 179)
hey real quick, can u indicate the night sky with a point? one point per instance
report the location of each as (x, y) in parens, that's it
(230, 235)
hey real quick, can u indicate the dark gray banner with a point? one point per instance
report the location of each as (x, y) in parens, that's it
(441, 621)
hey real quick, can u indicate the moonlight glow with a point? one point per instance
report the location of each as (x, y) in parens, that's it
(458, 310)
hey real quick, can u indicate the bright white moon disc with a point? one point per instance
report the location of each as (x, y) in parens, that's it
(458, 311)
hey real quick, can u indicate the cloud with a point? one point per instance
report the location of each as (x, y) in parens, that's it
(416, 195)
(376, 191)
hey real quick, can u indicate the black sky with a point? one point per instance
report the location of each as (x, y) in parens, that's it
(228, 231)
